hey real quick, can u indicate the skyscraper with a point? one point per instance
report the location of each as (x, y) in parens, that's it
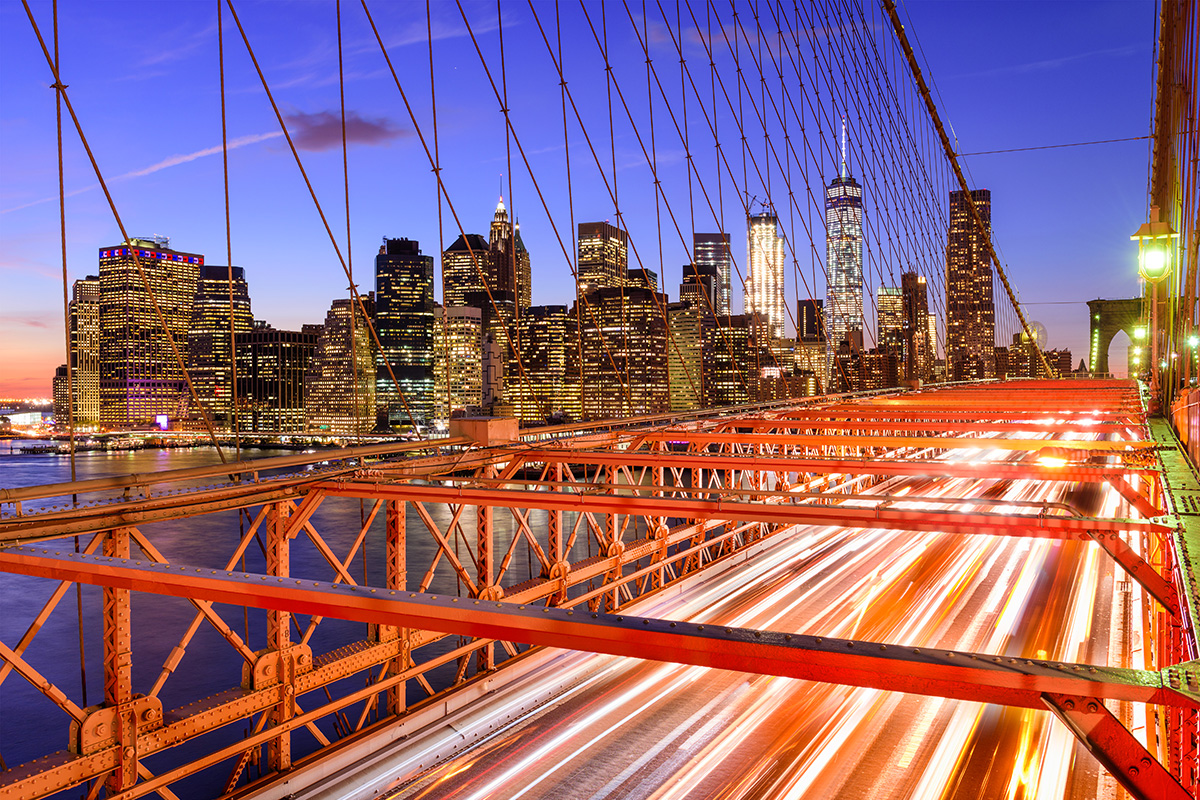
(889, 319)
(210, 345)
(727, 352)
(603, 256)
(85, 350)
(811, 355)
(764, 286)
(339, 387)
(917, 344)
(140, 374)
(810, 320)
(684, 366)
(270, 377)
(701, 288)
(462, 264)
(404, 322)
(970, 310)
(549, 349)
(844, 258)
(457, 361)
(711, 250)
(510, 260)
(624, 342)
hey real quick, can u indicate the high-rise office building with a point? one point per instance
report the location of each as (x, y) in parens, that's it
(85, 350)
(624, 343)
(463, 262)
(811, 355)
(510, 259)
(684, 360)
(889, 319)
(711, 250)
(404, 323)
(642, 278)
(917, 343)
(271, 366)
(549, 353)
(810, 320)
(62, 397)
(879, 368)
(457, 361)
(141, 377)
(844, 259)
(701, 287)
(970, 310)
(210, 339)
(603, 256)
(339, 388)
(727, 351)
(764, 285)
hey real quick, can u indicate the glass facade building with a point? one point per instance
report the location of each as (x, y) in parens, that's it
(141, 376)
(765, 304)
(970, 309)
(404, 322)
(711, 251)
(844, 262)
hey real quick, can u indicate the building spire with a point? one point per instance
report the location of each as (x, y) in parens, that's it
(843, 145)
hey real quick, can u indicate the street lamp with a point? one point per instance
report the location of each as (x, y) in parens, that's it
(1155, 243)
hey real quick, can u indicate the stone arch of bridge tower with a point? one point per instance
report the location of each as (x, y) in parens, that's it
(1107, 318)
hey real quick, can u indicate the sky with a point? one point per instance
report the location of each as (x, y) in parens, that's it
(144, 81)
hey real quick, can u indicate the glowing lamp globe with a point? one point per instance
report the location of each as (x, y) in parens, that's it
(1155, 263)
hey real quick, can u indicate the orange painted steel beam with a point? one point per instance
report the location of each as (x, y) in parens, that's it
(848, 466)
(1141, 571)
(778, 513)
(1125, 758)
(933, 672)
(937, 442)
(759, 425)
(91, 519)
(944, 412)
(219, 471)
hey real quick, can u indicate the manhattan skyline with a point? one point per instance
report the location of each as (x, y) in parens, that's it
(173, 177)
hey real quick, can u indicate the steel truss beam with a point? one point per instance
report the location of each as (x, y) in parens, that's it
(1125, 758)
(926, 671)
(934, 442)
(831, 422)
(932, 468)
(778, 513)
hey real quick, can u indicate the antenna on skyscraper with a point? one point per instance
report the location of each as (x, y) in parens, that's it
(843, 145)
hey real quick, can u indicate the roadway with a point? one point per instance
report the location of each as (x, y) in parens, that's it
(646, 730)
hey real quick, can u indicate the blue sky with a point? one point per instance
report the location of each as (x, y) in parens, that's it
(143, 78)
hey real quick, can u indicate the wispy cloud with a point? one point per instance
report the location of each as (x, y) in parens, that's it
(166, 163)
(1052, 63)
(180, 46)
(323, 130)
